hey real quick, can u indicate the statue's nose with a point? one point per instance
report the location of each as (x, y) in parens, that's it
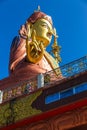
(50, 31)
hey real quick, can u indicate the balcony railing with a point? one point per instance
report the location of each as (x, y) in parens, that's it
(43, 80)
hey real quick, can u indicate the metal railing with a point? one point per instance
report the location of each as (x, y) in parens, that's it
(74, 67)
(44, 80)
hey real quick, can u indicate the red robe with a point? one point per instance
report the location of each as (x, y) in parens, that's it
(21, 68)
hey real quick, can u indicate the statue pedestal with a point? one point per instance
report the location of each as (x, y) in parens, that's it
(31, 110)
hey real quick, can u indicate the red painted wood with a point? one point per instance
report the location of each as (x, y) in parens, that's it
(46, 115)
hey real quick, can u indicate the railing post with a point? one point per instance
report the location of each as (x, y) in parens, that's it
(1, 96)
(40, 80)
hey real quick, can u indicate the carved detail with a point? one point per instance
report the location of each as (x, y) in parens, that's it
(64, 121)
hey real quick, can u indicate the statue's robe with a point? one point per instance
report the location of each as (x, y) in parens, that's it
(21, 68)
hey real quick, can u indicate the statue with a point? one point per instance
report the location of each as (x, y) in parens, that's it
(29, 58)
(28, 55)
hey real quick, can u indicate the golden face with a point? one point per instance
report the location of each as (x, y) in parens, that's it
(43, 30)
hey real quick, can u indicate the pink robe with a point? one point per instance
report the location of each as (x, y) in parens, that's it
(20, 68)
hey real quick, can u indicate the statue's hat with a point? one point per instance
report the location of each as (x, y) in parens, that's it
(38, 15)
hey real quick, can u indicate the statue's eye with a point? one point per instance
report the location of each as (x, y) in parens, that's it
(45, 25)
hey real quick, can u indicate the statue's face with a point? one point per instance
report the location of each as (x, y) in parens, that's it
(43, 31)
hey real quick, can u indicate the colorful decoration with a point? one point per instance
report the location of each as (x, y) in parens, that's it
(18, 109)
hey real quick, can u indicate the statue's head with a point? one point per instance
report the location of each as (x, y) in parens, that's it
(42, 24)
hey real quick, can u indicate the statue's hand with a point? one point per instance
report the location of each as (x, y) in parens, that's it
(35, 44)
(34, 49)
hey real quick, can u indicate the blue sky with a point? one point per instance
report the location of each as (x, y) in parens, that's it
(69, 18)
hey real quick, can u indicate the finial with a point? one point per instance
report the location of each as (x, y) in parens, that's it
(38, 9)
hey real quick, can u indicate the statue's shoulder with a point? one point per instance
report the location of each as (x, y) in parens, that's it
(14, 44)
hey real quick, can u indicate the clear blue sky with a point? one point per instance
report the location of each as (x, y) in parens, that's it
(69, 17)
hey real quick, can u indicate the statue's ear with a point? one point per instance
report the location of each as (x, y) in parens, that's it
(33, 35)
